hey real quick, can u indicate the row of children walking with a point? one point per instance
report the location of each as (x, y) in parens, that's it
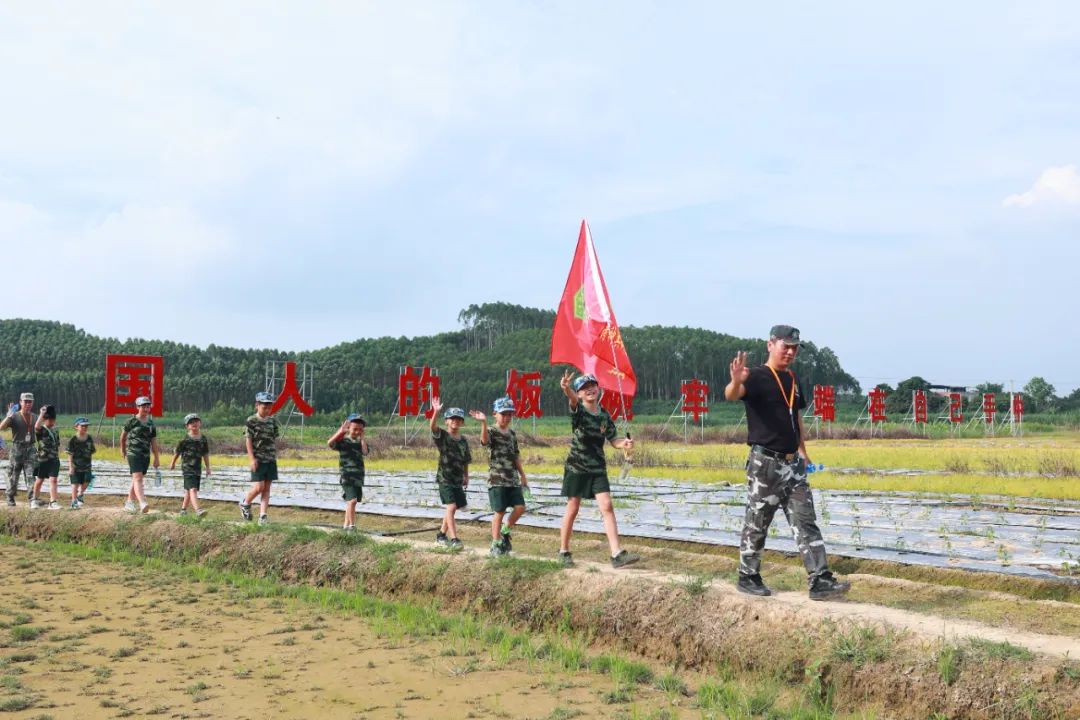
(585, 474)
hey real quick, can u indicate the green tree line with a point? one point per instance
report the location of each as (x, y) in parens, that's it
(64, 365)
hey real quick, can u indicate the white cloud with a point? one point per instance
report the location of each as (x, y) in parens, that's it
(1055, 185)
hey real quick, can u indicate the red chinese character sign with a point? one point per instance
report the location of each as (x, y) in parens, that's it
(918, 403)
(956, 407)
(875, 405)
(1018, 407)
(291, 391)
(825, 402)
(989, 408)
(415, 389)
(695, 396)
(524, 389)
(619, 407)
(128, 377)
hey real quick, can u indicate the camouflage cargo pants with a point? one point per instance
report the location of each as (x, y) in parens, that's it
(772, 484)
(20, 464)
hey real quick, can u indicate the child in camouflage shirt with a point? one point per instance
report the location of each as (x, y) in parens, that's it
(48, 457)
(260, 435)
(193, 450)
(507, 476)
(453, 473)
(351, 447)
(80, 450)
(137, 442)
(585, 474)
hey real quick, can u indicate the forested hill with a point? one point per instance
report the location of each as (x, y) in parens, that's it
(64, 365)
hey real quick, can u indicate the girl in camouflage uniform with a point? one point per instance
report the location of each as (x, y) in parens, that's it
(48, 457)
(585, 475)
(507, 476)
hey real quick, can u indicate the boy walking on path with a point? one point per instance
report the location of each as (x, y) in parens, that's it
(507, 476)
(137, 442)
(453, 473)
(585, 474)
(351, 446)
(80, 450)
(20, 419)
(776, 468)
(260, 436)
(48, 457)
(193, 450)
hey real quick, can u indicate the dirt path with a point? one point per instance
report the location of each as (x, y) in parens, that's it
(95, 640)
(924, 625)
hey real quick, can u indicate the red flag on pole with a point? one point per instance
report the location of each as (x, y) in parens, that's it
(586, 334)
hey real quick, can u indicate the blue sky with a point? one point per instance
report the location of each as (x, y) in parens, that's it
(901, 183)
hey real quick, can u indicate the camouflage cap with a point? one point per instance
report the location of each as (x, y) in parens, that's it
(356, 417)
(582, 380)
(264, 397)
(81, 421)
(786, 334)
(503, 404)
(143, 400)
(26, 396)
(191, 416)
(454, 413)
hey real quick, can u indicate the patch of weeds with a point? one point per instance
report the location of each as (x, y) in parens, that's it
(22, 657)
(103, 672)
(948, 663)
(696, 585)
(242, 673)
(17, 703)
(999, 650)
(123, 652)
(717, 696)
(289, 641)
(563, 713)
(1068, 670)
(861, 645)
(21, 619)
(26, 633)
(282, 630)
(97, 629)
(512, 569)
(158, 710)
(671, 684)
(11, 683)
(617, 695)
(319, 635)
(198, 691)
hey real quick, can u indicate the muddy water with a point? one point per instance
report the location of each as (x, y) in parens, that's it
(121, 642)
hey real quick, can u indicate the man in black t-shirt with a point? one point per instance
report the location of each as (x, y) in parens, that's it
(776, 468)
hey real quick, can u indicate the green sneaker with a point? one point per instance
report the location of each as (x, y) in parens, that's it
(623, 559)
(566, 559)
(507, 546)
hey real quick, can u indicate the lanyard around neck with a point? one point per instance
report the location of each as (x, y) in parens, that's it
(789, 399)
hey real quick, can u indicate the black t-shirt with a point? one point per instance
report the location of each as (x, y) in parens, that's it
(768, 422)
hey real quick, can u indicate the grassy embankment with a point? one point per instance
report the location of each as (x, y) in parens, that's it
(522, 609)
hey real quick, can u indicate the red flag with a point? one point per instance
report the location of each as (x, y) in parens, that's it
(586, 334)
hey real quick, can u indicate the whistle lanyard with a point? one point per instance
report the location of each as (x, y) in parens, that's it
(788, 398)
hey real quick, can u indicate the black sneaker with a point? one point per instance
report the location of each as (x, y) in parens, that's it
(826, 586)
(507, 546)
(455, 544)
(752, 585)
(566, 559)
(623, 559)
(441, 539)
(497, 548)
(245, 511)
(11, 501)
